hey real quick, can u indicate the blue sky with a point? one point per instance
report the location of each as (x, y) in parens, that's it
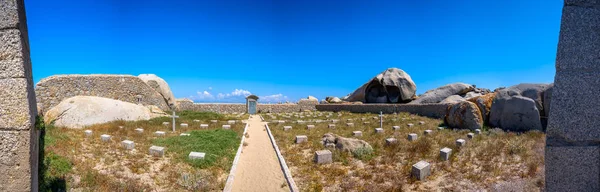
(286, 50)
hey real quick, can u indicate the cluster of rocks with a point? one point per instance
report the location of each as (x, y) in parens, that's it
(521, 107)
(331, 140)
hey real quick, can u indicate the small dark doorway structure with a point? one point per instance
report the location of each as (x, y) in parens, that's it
(251, 102)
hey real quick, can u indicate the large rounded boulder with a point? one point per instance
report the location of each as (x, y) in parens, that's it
(439, 94)
(391, 86)
(520, 114)
(160, 86)
(81, 111)
(464, 115)
(484, 103)
(535, 92)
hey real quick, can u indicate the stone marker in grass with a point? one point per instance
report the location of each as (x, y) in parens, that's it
(231, 122)
(445, 153)
(470, 135)
(331, 126)
(157, 151)
(165, 123)
(196, 155)
(412, 137)
(477, 131)
(427, 132)
(196, 121)
(421, 122)
(310, 126)
(440, 128)
(396, 128)
(350, 124)
(335, 120)
(281, 121)
(105, 137)
(421, 170)
(357, 133)
(301, 139)
(203, 126)
(139, 130)
(410, 125)
(159, 133)
(214, 121)
(323, 157)
(226, 126)
(127, 144)
(88, 133)
(121, 127)
(184, 125)
(184, 134)
(390, 141)
(460, 142)
(287, 128)
(379, 130)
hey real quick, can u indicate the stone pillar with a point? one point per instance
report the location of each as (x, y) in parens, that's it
(573, 133)
(18, 135)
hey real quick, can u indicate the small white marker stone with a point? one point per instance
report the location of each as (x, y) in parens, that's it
(184, 125)
(410, 125)
(331, 126)
(460, 142)
(88, 133)
(203, 125)
(157, 151)
(421, 170)
(427, 132)
(379, 130)
(421, 122)
(165, 123)
(196, 120)
(127, 144)
(105, 137)
(470, 135)
(226, 126)
(477, 131)
(412, 137)
(301, 139)
(139, 130)
(287, 128)
(231, 122)
(357, 133)
(350, 124)
(396, 127)
(196, 155)
(184, 134)
(310, 126)
(214, 121)
(445, 153)
(390, 141)
(159, 133)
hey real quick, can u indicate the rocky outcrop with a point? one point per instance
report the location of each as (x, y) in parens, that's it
(391, 86)
(312, 98)
(484, 103)
(464, 115)
(520, 114)
(81, 111)
(453, 99)
(160, 85)
(344, 144)
(441, 93)
(333, 100)
(534, 92)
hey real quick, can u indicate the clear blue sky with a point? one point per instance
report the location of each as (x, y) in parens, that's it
(291, 49)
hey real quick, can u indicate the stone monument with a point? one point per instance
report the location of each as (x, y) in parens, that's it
(18, 136)
(573, 134)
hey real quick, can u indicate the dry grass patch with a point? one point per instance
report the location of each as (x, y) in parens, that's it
(73, 161)
(487, 161)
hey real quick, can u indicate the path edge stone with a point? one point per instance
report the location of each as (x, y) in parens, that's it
(286, 171)
(229, 182)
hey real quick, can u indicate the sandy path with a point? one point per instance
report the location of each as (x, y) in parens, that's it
(258, 168)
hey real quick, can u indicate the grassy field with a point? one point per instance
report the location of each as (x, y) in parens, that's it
(492, 160)
(74, 162)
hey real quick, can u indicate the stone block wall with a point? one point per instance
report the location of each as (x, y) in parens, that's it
(186, 104)
(573, 133)
(19, 139)
(428, 110)
(52, 90)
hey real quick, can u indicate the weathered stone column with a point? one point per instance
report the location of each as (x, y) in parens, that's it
(573, 133)
(18, 135)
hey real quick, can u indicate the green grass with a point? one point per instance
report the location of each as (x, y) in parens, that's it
(217, 144)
